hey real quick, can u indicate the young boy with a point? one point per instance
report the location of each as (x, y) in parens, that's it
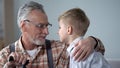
(73, 25)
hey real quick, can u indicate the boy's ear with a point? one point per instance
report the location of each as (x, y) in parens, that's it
(69, 30)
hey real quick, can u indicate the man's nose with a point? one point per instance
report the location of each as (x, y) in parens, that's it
(45, 30)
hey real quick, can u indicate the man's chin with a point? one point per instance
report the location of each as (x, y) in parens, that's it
(37, 42)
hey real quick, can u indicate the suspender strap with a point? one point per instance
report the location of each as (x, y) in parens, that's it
(49, 54)
(12, 47)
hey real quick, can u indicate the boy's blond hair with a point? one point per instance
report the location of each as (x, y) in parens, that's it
(77, 19)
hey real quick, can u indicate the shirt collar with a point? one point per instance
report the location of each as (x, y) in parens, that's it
(72, 44)
(21, 44)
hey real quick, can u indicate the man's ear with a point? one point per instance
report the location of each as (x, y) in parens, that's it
(22, 26)
(69, 30)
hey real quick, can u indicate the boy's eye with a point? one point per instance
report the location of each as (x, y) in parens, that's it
(59, 27)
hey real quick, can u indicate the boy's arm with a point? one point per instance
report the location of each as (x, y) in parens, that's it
(86, 46)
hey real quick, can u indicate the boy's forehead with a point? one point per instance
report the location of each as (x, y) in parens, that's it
(61, 22)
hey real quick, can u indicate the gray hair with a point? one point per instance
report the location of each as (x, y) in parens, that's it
(26, 8)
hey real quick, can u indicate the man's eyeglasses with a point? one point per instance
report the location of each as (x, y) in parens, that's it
(39, 25)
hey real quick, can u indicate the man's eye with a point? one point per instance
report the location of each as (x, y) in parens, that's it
(40, 26)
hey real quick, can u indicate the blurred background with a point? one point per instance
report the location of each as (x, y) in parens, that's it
(104, 16)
